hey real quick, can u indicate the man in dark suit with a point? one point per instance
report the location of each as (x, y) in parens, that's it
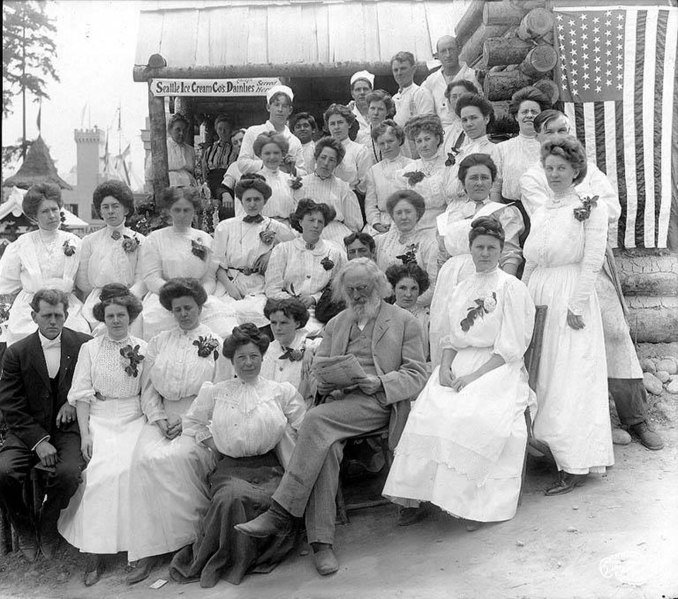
(42, 427)
(388, 343)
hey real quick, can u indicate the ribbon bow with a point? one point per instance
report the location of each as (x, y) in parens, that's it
(253, 219)
(293, 355)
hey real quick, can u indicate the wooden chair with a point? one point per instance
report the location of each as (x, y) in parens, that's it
(532, 359)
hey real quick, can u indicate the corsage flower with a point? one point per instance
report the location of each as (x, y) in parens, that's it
(130, 244)
(267, 236)
(414, 177)
(207, 346)
(135, 358)
(410, 255)
(484, 305)
(198, 249)
(296, 183)
(69, 248)
(327, 263)
(582, 213)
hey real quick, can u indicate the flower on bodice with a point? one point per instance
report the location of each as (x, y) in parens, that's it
(267, 236)
(451, 157)
(69, 248)
(207, 346)
(293, 355)
(135, 358)
(199, 249)
(327, 263)
(414, 177)
(483, 305)
(130, 244)
(296, 183)
(410, 255)
(583, 212)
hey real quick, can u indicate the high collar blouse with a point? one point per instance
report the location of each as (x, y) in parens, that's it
(381, 183)
(281, 203)
(244, 419)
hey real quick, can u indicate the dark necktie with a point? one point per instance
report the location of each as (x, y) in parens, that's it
(253, 219)
(293, 355)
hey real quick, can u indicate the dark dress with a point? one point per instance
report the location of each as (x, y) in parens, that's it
(240, 489)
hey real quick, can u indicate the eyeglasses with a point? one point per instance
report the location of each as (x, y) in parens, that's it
(357, 289)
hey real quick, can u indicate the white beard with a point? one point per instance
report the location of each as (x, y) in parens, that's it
(368, 310)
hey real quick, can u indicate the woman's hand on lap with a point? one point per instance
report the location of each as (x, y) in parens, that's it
(446, 377)
(86, 447)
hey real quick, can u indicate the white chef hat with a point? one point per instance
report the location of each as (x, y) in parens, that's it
(279, 89)
(366, 75)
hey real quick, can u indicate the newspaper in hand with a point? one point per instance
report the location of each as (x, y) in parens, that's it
(338, 371)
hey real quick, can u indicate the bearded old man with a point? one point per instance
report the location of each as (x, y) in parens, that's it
(388, 343)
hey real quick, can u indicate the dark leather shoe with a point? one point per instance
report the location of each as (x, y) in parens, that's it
(27, 541)
(647, 436)
(270, 523)
(49, 544)
(142, 570)
(566, 484)
(325, 561)
(93, 570)
(411, 515)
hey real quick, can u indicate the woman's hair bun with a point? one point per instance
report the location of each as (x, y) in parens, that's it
(112, 290)
(246, 332)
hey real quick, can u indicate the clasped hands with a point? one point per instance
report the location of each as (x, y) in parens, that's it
(369, 385)
(169, 427)
(447, 379)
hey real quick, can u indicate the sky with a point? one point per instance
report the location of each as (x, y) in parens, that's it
(96, 43)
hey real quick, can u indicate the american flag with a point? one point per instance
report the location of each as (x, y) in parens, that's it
(617, 72)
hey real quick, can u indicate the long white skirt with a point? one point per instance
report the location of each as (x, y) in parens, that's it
(573, 416)
(98, 516)
(20, 324)
(464, 451)
(217, 315)
(169, 490)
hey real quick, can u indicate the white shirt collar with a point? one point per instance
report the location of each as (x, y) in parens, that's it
(47, 343)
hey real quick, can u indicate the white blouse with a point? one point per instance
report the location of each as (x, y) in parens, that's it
(100, 371)
(248, 162)
(167, 254)
(481, 145)
(381, 183)
(336, 193)
(513, 157)
(31, 264)
(174, 370)
(244, 419)
(353, 168)
(293, 269)
(281, 203)
(105, 260)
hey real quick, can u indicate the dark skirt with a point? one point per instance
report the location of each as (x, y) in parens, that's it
(241, 489)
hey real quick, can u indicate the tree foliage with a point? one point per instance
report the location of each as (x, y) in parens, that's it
(26, 28)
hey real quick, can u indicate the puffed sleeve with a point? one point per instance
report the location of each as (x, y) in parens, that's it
(247, 160)
(138, 288)
(364, 162)
(151, 400)
(10, 269)
(82, 277)
(275, 272)
(424, 101)
(601, 186)
(353, 218)
(595, 240)
(294, 408)
(512, 222)
(82, 387)
(429, 258)
(517, 322)
(534, 190)
(151, 264)
(209, 279)
(195, 423)
(371, 208)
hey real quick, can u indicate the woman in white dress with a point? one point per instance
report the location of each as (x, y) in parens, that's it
(168, 481)
(111, 254)
(291, 352)
(475, 114)
(381, 178)
(106, 394)
(180, 251)
(409, 281)
(271, 148)
(427, 175)
(455, 137)
(514, 156)
(243, 422)
(242, 248)
(180, 155)
(44, 259)
(564, 253)
(464, 442)
(303, 267)
(406, 242)
(477, 173)
(380, 108)
(324, 186)
(357, 159)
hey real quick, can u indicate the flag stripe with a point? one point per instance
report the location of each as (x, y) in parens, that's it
(589, 132)
(629, 146)
(580, 130)
(611, 157)
(599, 132)
(638, 113)
(658, 76)
(621, 173)
(647, 104)
(669, 144)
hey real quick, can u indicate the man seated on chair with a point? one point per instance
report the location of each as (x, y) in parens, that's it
(42, 427)
(388, 343)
